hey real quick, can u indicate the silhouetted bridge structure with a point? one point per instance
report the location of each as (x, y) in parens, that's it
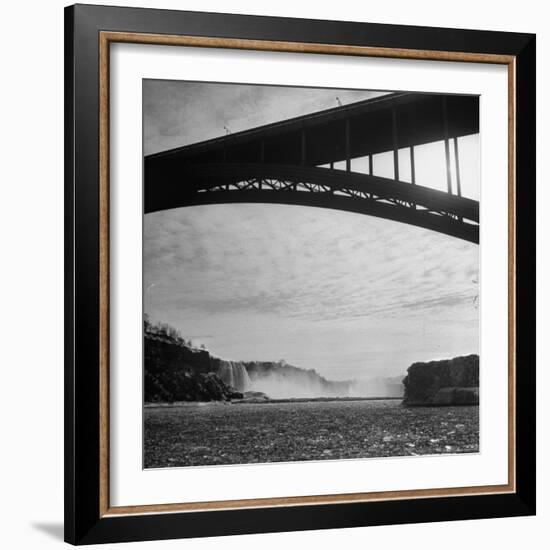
(293, 162)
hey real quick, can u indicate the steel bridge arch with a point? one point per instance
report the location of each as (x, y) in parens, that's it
(219, 183)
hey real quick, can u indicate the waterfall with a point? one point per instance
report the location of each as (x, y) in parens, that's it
(234, 375)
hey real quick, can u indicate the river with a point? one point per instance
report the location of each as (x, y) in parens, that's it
(245, 433)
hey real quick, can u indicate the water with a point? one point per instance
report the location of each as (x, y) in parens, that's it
(234, 375)
(218, 433)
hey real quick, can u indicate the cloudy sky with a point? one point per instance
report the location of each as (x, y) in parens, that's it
(350, 295)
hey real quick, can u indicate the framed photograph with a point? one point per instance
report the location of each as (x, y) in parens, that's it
(300, 274)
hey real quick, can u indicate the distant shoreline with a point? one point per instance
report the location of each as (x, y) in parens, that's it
(255, 401)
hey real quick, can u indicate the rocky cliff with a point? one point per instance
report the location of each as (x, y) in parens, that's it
(174, 371)
(447, 382)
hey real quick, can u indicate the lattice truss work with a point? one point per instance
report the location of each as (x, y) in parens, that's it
(277, 185)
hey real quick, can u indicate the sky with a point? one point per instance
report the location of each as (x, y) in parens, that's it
(349, 295)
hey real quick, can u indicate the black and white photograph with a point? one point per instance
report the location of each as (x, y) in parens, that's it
(310, 284)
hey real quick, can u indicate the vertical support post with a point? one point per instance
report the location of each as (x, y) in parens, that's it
(413, 171)
(348, 159)
(447, 150)
(224, 158)
(262, 156)
(371, 167)
(457, 167)
(395, 147)
(303, 133)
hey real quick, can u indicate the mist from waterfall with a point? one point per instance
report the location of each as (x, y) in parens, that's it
(305, 384)
(283, 381)
(302, 385)
(377, 387)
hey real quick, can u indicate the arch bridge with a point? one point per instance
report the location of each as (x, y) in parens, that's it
(294, 162)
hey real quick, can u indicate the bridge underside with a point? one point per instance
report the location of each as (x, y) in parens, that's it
(319, 187)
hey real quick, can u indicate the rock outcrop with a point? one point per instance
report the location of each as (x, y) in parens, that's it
(439, 383)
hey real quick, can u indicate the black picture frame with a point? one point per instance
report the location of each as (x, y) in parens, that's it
(84, 521)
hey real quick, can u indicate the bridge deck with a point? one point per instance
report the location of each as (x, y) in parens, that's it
(419, 119)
